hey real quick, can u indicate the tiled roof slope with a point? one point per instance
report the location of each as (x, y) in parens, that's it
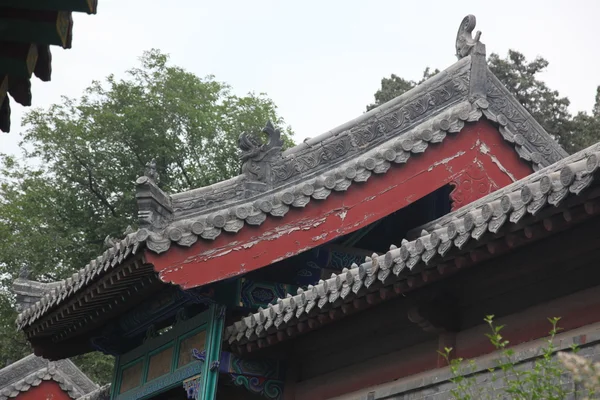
(119, 251)
(102, 393)
(29, 292)
(548, 187)
(351, 153)
(273, 181)
(31, 371)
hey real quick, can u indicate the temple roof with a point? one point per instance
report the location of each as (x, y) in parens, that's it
(543, 193)
(102, 393)
(29, 292)
(273, 181)
(31, 371)
(29, 28)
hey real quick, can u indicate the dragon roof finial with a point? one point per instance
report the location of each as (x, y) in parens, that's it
(151, 171)
(24, 272)
(464, 38)
(256, 154)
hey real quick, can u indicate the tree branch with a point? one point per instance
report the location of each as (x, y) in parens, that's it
(95, 191)
(185, 174)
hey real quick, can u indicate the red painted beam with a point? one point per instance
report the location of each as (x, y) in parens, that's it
(477, 160)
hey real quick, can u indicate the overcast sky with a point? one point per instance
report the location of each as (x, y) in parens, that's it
(320, 61)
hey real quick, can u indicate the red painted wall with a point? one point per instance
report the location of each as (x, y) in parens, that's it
(577, 310)
(477, 160)
(47, 390)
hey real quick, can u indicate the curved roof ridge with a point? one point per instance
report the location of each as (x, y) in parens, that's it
(403, 98)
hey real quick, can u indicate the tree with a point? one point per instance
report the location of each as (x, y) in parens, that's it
(587, 126)
(544, 104)
(75, 185)
(395, 86)
(522, 80)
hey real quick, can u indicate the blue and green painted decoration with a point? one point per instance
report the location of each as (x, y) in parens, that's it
(166, 361)
(261, 377)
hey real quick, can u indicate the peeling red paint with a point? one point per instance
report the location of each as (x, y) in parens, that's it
(344, 212)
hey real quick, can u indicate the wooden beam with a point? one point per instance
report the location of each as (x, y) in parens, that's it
(435, 314)
(17, 59)
(86, 6)
(39, 27)
(4, 105)
(43, 67)
(20, 90)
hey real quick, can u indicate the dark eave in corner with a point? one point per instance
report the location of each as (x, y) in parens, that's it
(28, 29)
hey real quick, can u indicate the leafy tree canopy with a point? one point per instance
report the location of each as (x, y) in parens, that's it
(522, 78)
(75, 184)
(394, 86)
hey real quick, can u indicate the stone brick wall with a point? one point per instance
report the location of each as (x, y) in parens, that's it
(436, 385)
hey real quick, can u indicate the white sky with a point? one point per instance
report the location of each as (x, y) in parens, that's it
(320, 61)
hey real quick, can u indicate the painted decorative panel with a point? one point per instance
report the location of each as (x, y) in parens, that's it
(160, 364)
(165, 360)
(254, 294)
(195, 341)
(131, 377)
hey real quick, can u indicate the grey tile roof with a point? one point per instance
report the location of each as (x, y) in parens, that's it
(31, 371)
(187, 231)
(377, 161)
(29, 292)
(548, 187)
(102, 393)
(272, 182)
(112, 257)
(352, 153)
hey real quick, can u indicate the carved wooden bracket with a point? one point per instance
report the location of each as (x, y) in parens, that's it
(436, 314)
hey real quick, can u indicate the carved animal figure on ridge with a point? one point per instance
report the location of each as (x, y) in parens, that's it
(464, 38)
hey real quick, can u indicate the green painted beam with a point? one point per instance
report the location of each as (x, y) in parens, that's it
(214, 339)
(86, 6)
(39, 27)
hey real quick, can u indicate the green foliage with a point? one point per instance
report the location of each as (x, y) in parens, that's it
(544, 104)
(588, 126)
(544, 380)
(13, 345)
(394, 86)
(75, 184)
(522, 78)
(98, 367)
